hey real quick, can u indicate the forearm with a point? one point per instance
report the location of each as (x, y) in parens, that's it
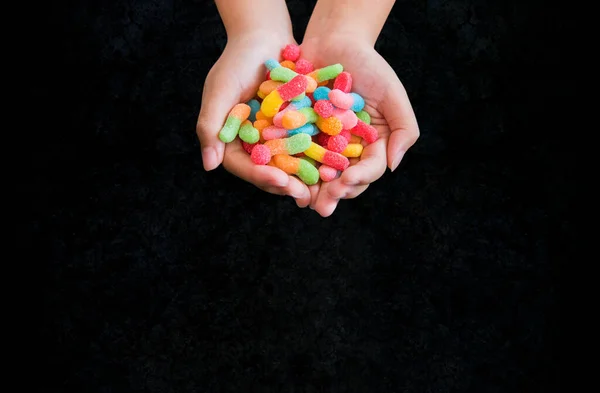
(243, 16)
(363, 18)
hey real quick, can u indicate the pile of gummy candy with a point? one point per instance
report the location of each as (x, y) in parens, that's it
(303, 121)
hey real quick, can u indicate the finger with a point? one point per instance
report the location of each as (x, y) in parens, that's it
(400, 116)
(238, 162)
(338, 190)
(314, 193)
(371, 166)
(325, 204)
(218, 97)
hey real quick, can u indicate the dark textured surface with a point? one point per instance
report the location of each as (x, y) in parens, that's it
(159, 277)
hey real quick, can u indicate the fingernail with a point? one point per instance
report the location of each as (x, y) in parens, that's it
(209, 158)
(397, 160)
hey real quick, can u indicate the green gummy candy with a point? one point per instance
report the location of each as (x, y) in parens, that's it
(230, 129)
(310, 114)
(308, 173)
(329, 72)
(248, 133)
(297, 143)
(309, 160)
(364, 116)
(282, 74)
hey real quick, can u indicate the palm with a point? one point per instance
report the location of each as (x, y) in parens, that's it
(368, 70)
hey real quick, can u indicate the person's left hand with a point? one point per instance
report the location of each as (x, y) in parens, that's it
(386, 102)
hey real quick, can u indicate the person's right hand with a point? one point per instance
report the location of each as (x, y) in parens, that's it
(233, 79)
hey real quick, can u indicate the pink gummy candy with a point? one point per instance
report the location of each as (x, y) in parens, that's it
(291, 52)
(327, 173)
(304, 67)
(261, 155)
(343, 82)
(274, 132)
(340, 99)
(337, 143)
(365, 131)
(347, 117)
(324, 108)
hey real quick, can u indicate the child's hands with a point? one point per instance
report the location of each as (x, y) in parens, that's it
(385, 100)
(235, 78)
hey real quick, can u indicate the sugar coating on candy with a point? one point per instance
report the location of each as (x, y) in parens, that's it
(340, 99)
(308, 128)
(248, 133)
(268, 86)
(347, 117)
(307, 159)
(304, 66)
(327, 73)
(271, 64)
(331, 125)
(323, 108)
(290, 52)
(293, 88)
(337, 143)
(288, 64)
(260, 94)
(358, 102)
(254, 108)
(237, 115)
(327, 173)
(353, 150)
(343, 82)
(260, 155)
(364, 116)
(282, 74)
(261, 116)
(365, 131)
(321, 93)
(274, 132)
(248, 147)
(293, 119)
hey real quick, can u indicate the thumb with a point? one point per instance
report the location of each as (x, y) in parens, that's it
(399, 115)
(217, 101)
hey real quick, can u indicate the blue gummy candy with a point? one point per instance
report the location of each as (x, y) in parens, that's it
(254, 107)
(321, 93)
(308, 128)
(359, 103)
(272, 63)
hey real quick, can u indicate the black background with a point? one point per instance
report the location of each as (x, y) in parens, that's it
(160, 277)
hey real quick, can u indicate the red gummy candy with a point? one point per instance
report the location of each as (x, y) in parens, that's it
(261, 155)
(291, 52)
(283, 106)
(304, 67)
(268, 77)
(322, 139)
(337, 143)
(248, 146)
(324, 108)
(365, 131)
(293, 88)
(343, 82)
